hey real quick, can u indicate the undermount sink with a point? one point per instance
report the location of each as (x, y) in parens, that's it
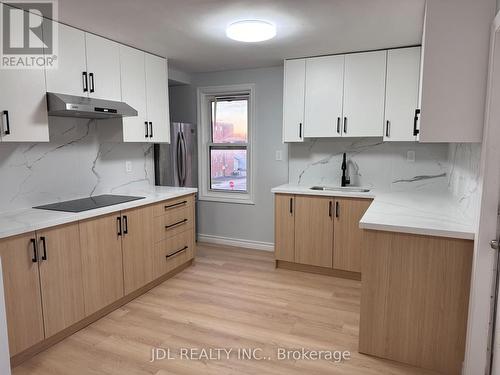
(349, 189)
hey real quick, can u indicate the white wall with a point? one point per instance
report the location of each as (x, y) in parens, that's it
(237, 221)
(4, 340)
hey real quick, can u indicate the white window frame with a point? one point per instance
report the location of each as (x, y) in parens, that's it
(205, 95)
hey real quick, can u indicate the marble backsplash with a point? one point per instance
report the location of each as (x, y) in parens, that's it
(384, 166)
(83, 158)
(464, 181)
(371, 163)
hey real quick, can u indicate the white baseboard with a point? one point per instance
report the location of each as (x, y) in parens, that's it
(248, 244)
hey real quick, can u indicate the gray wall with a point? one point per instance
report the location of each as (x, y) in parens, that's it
(238, 221)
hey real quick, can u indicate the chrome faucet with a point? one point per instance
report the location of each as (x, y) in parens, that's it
(345, 179)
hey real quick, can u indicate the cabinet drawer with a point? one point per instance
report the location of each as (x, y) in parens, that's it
(173, 205)
(173, 252)
(175, 222)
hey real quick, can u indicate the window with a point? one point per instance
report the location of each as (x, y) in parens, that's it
(225, 128)
(228, 146)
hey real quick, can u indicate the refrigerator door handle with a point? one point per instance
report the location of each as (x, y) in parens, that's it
(184, 160)
(178, 153)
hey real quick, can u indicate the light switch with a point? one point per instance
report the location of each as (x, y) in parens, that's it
(128, 166)
(410, 156)
(279, 155)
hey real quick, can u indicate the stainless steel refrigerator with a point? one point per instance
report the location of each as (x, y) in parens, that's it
(176, 164)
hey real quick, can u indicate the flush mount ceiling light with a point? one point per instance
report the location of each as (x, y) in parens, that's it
(251, 31)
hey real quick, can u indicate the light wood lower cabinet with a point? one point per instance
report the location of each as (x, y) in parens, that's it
(60, 277)
(348, 237)
(21, 281)
(314, 231)
(101, 242)
(414, 299)
(138, 254)
(284, 227)
(173, 252)
(319, 232)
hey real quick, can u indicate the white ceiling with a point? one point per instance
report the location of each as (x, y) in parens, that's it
(191, 33)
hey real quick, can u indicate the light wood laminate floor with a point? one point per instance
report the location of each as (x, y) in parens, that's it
(230, 298)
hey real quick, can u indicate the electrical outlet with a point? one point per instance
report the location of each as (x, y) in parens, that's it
(410, 156)
(128, 166)
(279, 155)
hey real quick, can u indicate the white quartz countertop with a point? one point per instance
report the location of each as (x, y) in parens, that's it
(426, 213)
(30, 219)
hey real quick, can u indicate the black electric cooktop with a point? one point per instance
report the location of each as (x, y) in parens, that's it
(85, 204)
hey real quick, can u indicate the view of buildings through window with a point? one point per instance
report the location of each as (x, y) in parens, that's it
(228, 151)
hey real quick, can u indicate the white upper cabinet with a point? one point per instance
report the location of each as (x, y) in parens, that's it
(364, 93)
(103, 67)
(293, 100)
(323, 96)
(157, 98)
(69, 77)
(455, 52)
(133, 85)
(401, 97)
(23, 108)
(144, 85)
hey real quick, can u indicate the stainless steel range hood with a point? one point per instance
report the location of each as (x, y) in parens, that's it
(80, 106)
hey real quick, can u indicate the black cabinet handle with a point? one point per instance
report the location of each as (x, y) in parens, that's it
(44, 245)
(92, 86)
(345, 124)
(415, 121)
(125, 224)
(7, 122)
(147, 129)
(330, 208)
(291, 206)
(175, 205)
(151, 131)
(176, 252)
(119, 220)
(85, 82)
(387, 128)
(338, 125)
(35, 255)
(337, 209)
(300, 130)
(167, 227)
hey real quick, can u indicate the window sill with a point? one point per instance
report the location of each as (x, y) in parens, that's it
(226, 198)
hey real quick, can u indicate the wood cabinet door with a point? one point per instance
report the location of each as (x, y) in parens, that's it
(102, 266)
(284, 227)
(23, 302)
(293, 100)
(401, 96)
(314, 230)
(157, 98)
(61, 278)
(323, 96)
(68, 78)
(348, 237)
(138, 250)
(103, 66)
(133, 84)
(364, 94)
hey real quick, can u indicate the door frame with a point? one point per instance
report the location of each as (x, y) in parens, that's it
(477, 353)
